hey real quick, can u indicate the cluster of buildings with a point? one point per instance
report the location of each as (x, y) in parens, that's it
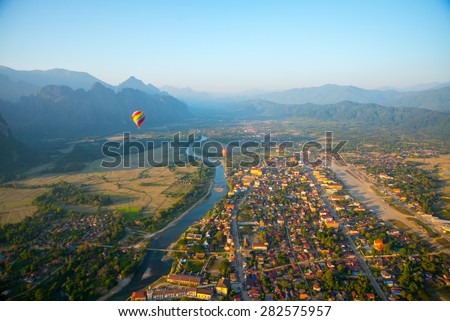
(390, 171)
(298, 236)
(66, 233)
(286, 230)
(178, 286)
(404, 182)
(54, 239)
(296, 239)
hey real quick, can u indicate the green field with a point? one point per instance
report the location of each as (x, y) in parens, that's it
(134, 192)
(399, 224)
(130, 213)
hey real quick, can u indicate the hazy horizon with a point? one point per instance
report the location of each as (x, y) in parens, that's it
(233, 47)
(250, 91)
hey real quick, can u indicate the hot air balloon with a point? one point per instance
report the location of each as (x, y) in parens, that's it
(224, 152)
(138, 118)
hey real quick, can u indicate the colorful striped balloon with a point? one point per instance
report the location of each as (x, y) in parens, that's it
(138, 118)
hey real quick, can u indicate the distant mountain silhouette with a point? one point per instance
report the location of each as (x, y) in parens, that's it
(330, 94)
(187, 94)
(410, 119)
(134, 83)
(13, 90)
(60, 111)
(436, 98)
(426, 86)
(41, 78)
(17, 83)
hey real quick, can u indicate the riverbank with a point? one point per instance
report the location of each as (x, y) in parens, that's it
(121, 284)
(136, 277)
(175, 221)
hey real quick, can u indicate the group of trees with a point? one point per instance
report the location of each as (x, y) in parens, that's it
(414, 183)
(329, 239)
(71, 194)
(76, 159)
(330, 282)
(198, 190)
(55, 253)
(414, 276)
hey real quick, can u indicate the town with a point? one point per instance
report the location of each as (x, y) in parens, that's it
(295, 233)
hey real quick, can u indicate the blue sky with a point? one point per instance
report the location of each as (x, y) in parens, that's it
(229, 45)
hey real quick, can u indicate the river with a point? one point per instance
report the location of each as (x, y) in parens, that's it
(162, 240)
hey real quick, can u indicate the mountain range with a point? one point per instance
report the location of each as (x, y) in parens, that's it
(61, 103)
(60, 111)
(17, 83)
(435, 98)
(58, 102)
(64, 103)
(406, 119)
(41, 78)
(137, 84)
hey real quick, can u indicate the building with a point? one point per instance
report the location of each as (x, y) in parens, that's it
(204, 293)
(256, 171)
(316, 287)
(160, 295)
(184, 279)
(332, 224)
(200, 255)
(259, 246)
(303, 296)
(223, 286)
(326, 217)
(230, 207)
(378, 244)
(247, 181)
(339, 197)
(139, 296)
(335, 187)
(385, 275)
(192, 236)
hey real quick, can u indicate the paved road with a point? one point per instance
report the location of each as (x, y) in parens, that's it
(352, 245)
(238, 254)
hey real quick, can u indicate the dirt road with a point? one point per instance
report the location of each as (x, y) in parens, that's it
(362, 190)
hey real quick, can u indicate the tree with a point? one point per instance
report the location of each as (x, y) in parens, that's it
(224, 267)
(413, 287)
(219, 236)
(39, 295)
(329, 279)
